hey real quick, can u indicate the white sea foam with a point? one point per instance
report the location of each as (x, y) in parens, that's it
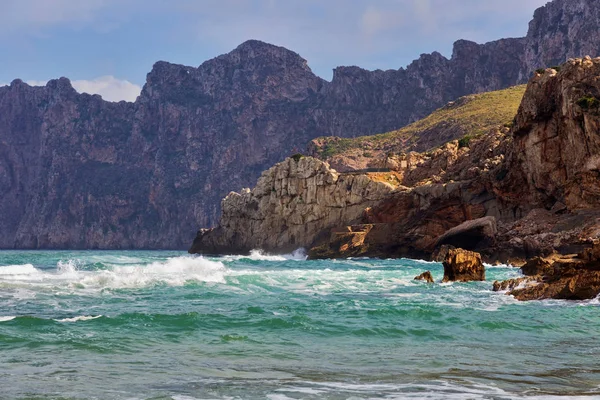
(79, 318)
(7, 318)
(17, 270)
(260, 255)
(175, 271)
(421, 261)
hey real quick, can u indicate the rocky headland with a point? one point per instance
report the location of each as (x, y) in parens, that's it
(515, 193)
(80, 172)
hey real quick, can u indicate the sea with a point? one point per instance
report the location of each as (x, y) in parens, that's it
(167, 325)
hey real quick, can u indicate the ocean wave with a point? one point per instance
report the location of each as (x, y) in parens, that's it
(175, 271)
(260, 255)
(79, 318)
(7, 318)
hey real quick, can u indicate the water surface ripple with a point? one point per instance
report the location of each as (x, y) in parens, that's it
(165, 325)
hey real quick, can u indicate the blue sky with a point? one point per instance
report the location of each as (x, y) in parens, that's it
(108, 46)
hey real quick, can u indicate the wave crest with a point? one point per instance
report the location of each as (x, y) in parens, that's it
(175, 271)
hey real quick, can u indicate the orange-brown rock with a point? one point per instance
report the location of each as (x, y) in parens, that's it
(463, 266)
(569, 285)
(575, 277)
(513, 284)
(425, 276)
(348, 242)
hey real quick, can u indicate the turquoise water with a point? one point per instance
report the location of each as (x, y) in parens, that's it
(164, 325)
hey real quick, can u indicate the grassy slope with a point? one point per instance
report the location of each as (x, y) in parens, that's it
(470, 115)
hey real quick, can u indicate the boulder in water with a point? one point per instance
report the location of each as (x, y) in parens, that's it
(463, 266)
(425, 276)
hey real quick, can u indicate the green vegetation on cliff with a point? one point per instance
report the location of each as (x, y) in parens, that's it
(469, 117)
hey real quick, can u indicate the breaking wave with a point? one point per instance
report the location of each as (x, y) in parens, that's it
(176, 271)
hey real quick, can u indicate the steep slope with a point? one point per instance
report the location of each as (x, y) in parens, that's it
(77, 171)
(465, 118)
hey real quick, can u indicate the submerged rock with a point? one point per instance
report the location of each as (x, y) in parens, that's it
(463, 266)
(425, 276)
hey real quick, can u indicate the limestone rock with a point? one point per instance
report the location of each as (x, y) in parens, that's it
(425, 276)
(292, 204)
(575, 277)
(463, 266)
(571, 285)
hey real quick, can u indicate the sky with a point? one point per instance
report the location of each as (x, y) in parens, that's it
(108, 46)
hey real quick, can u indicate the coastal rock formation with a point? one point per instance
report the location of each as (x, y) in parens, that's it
(292, 204)
(511, 194)
(425, 276)
(570, 277)
(80, 172)
(463, 266)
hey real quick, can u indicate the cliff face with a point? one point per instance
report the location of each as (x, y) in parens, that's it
(510, 194)
(76, 171)
(557, 140)
(561, 30)
(292, 203)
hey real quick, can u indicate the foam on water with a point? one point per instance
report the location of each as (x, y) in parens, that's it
(260, 255)
(267, 326)
(8, 271)
(175, 271)
(79, 318)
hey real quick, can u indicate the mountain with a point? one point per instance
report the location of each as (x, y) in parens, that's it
(80, 172)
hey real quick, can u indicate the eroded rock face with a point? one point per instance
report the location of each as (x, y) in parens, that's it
(292, 204)
(575, 277)
(463, 266)
(562, 30)
(556, 135)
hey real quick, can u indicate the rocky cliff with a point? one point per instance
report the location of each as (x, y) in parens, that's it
(511, 194)
(292, 203)
(76, 171)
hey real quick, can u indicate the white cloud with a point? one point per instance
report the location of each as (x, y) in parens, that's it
(36, 83)
(109, 87)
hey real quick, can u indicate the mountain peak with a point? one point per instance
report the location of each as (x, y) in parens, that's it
(256, 52)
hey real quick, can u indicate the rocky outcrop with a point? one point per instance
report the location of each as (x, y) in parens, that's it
(556, 135)
(79, 172)
(292, 204)
(574, 277)
(425, 276)
(463, 266)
